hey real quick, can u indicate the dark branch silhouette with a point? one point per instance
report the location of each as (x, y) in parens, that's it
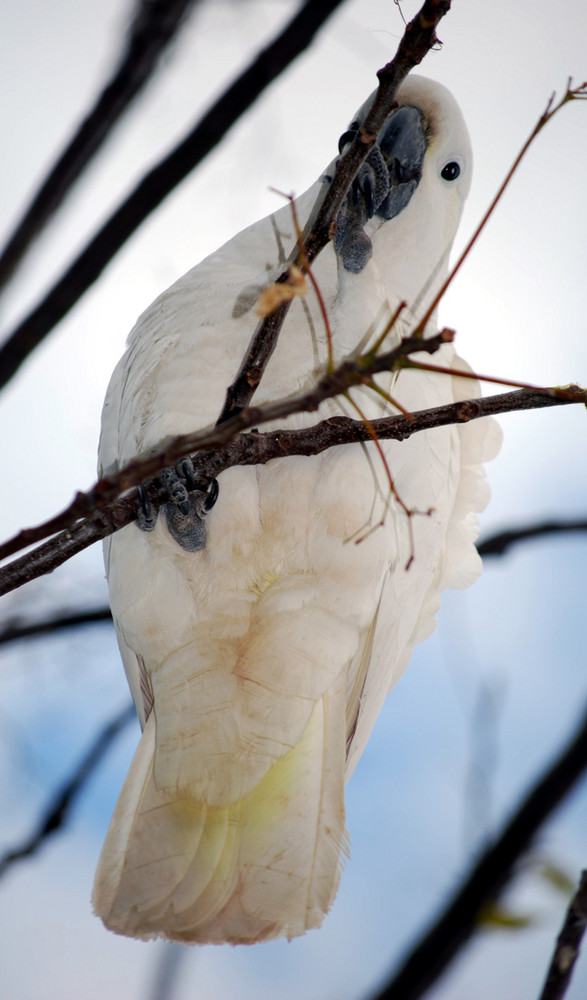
(55, 816)
(158, 182)
(498, 544)
(252, 449)
(494, 545)
(418, 38)
(568, 942)
(15, 630)
(349, 373)
(155, 24)
(459, 919)
(162, 985)
(488, 876)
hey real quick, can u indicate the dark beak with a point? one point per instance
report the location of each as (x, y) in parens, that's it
(403, 147)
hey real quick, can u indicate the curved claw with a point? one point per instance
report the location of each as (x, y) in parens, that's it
(352, 244)
(146, 514)
(369, 189)
(185, 468)
(203, 500)
(371, 184)
(211, 494)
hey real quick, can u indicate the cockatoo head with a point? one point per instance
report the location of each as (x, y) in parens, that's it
(410, 191)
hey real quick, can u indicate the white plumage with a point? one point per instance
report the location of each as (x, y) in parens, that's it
(259, 663)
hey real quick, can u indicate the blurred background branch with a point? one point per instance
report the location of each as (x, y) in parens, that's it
(55, 816)
(160, 181)
(153, 27)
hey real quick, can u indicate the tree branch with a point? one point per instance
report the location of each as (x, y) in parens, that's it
(567, 945)
(418, 38)
(350, 372)
(246, 449)
(15, 630)
(488, 877)
(498, 544)
(162, 179)
(55, 816)
(154, 25)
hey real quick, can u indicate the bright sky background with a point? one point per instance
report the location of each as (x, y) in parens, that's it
(487, 700)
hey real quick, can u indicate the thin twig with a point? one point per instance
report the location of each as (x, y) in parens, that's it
(257, 449)
(56, 814)
(171, 958)
(155, 24)
(488, 877)
(567, 945)
(14, 630)
(571, 94)
(418, 38)
(348, 373)
(495, 545)
(499, 543)
(158, 182)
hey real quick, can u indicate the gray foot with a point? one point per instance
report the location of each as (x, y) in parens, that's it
(186, 509)
(384, 184)
(368, 190)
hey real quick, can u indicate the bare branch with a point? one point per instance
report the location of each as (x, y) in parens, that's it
(567, 945)
(16, 630)
(495, 545)
(571, 94)
(419, 37)
(350, 372)
(159, 181)
(256, 449)
(55, 816)
(162, 985)
(488, 877)
(155, 24)
(498, 544)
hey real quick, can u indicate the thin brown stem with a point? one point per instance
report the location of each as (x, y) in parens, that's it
(571, 94)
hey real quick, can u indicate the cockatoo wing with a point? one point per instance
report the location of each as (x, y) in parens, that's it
(258, 664)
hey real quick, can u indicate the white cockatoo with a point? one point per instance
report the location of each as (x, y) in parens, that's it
(259, 640)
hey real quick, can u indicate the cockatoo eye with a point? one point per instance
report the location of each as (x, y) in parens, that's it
(450, 170)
